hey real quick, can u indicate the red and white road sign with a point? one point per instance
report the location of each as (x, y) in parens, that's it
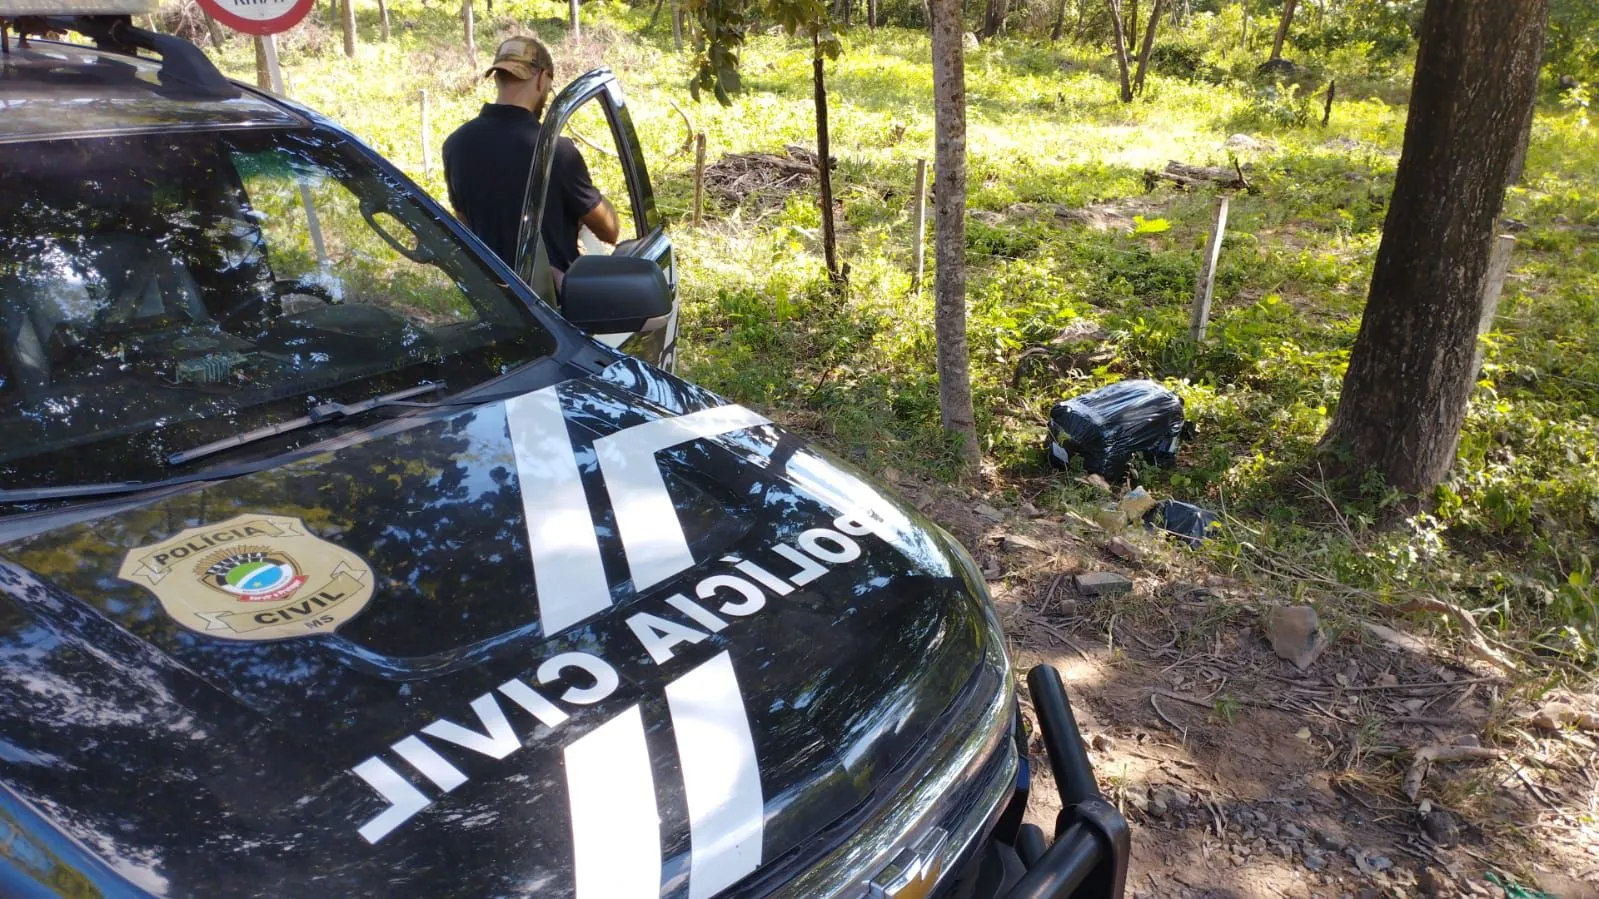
(261, 17)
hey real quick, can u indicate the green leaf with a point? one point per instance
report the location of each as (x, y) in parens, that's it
(1142, 225)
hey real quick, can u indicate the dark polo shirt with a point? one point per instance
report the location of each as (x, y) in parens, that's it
(486, 165)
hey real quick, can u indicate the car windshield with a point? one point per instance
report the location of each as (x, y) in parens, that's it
(160, 291)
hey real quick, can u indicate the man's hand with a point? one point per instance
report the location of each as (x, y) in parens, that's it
(603, 222)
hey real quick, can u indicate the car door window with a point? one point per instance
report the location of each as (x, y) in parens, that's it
(589, 129)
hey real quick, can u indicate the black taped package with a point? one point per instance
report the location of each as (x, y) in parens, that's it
(1105, 428)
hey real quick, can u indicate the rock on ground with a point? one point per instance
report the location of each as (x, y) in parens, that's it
(1295, 634)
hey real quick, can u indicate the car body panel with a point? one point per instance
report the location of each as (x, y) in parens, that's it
(195, 765)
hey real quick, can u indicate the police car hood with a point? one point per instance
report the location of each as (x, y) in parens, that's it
(606, 637)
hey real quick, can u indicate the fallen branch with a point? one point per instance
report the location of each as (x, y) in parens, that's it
(1435, 753)
(688, 131)
(1182, 732)
(1484, 648)
(1186, 176)
(578, 135)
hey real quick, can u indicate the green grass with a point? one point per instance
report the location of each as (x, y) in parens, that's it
(1514, 531)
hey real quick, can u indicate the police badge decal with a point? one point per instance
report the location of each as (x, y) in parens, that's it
(252, 577)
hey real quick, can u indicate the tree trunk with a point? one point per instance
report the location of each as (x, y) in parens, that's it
(577, 27)
(383, 20)
(1060, 21)
(1121, 49)
(1282, 29)
(347, 24)
(829, 235)
(871, 14)
(468, 27)
(1130, 27)
(1412, 367)
(1149, 43)
(263, 75)
(214, 31)
(994, 18)
(1518, 162)
(949, 231)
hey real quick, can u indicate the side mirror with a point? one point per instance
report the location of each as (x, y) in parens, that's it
(615, 294)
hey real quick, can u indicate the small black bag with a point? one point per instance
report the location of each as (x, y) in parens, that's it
(1185, 521)
(1105, 427)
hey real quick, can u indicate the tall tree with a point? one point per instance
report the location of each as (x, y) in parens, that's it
(1120, 46)
(1413, 364)
(263, 76)
(214, 31)
(1282, 29)
(724, 26)
(347, 24)
(949, 230)
(1149, 44)
(994, 13)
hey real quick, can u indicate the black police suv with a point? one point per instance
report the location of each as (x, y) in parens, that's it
(334, 561)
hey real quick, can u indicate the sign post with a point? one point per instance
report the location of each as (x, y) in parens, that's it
(265, 19)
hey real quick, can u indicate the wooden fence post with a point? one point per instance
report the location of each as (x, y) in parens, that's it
(1207, 274)
(427, 136)
(699, 177)
(919, 218)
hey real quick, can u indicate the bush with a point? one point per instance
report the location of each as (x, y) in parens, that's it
(1278, 104)
(1185, 61)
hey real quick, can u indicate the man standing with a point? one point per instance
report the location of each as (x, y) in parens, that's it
(487, 162)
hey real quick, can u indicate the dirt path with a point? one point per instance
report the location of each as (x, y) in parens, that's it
(1243, 776)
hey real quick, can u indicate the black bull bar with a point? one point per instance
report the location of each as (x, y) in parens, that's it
(1088, 856)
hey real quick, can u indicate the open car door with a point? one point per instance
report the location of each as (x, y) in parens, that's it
(592, 112)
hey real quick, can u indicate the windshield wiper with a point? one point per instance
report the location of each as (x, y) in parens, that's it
(324, 412)
(316, 415)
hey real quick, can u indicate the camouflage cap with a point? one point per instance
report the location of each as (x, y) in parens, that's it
(522, 57)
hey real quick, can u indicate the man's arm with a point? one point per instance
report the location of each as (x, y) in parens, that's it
(602, 220)
(581, 196)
